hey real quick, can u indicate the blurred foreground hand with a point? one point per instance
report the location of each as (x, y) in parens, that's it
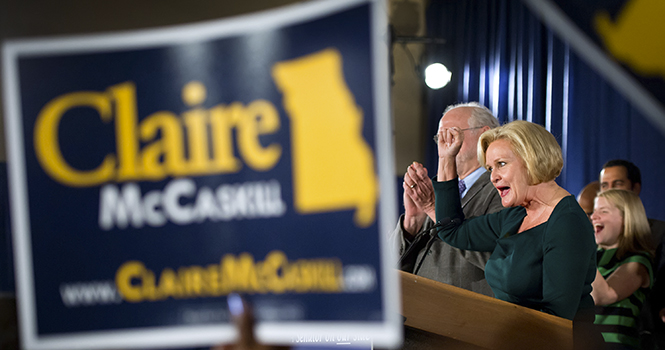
(244, 321)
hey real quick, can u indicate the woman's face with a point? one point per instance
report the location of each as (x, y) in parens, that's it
(607, 222)
(508, 173)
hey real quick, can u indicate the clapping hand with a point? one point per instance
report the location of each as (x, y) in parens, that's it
(418, 197)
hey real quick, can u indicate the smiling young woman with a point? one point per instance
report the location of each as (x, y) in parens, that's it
(624, 274)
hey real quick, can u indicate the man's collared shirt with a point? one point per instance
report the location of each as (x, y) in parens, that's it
(471, 179)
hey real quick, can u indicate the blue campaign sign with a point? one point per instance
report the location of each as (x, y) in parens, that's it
(154, 172)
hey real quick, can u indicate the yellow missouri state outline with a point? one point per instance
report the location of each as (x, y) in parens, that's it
(333, 167)
(636, 37)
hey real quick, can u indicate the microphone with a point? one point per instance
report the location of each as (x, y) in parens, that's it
(418, 240)
(444, 224)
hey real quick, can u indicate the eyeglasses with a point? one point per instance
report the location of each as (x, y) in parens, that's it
(436, 137)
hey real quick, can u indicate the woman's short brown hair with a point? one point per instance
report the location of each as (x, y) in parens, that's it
(536, 146)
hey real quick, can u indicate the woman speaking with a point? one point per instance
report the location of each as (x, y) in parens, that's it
(543, 248)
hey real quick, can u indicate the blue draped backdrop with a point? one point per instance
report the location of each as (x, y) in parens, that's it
(503, 57)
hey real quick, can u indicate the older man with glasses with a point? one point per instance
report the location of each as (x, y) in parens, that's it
(421, 251)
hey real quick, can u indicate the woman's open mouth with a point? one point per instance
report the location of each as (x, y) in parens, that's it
(598, 227)
(503, 190)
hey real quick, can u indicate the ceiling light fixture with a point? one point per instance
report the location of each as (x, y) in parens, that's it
(437, 76)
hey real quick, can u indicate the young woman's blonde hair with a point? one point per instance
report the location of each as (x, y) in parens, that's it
(636, 235)
(536, 146)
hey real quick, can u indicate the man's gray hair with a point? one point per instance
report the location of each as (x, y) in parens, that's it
(480, 115)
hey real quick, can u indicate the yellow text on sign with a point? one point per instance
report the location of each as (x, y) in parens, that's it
(160, 156)
(275, 274)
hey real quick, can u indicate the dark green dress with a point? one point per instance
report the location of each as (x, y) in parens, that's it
(549, 267)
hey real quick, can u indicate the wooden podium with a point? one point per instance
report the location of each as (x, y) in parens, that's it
(445, 316)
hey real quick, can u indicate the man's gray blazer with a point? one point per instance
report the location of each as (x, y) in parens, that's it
(434, 259)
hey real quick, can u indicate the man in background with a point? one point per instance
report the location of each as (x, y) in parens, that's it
(587, 196)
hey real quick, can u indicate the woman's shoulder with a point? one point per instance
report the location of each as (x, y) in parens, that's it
(639, 257)
(568, 201)
(639, 261)
(569, 208)
(611, 257)
(569, 222)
